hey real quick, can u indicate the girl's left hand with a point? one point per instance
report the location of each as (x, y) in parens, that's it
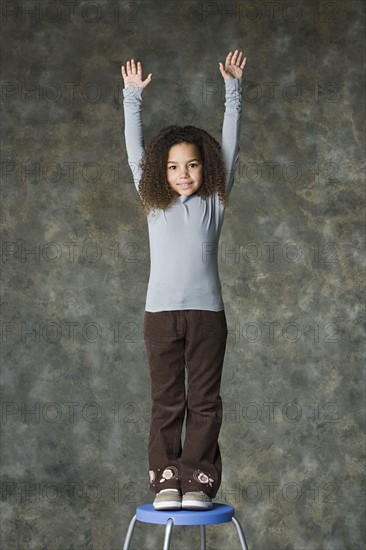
(234, 68)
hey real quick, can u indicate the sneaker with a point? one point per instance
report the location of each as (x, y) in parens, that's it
(196, 500)
(168, 499)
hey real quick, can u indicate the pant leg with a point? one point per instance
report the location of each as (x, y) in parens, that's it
(205, 347)
(164, 340)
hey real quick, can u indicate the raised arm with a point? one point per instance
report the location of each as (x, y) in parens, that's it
(132, 104)
(232, 74)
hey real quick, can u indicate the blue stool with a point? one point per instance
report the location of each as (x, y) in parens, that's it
(220, 513)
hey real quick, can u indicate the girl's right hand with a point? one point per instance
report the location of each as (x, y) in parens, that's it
(133, 76)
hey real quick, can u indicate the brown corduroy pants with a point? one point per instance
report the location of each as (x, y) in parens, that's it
(177, 340)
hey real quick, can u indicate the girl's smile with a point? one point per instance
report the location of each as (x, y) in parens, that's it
(184, 168)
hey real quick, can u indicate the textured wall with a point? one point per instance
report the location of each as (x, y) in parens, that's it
(76, 390)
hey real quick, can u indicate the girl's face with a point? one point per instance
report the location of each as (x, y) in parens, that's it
(184, 168)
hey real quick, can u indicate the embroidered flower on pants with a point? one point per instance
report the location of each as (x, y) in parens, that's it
(169, 473)
(151, 476)
(202, 478)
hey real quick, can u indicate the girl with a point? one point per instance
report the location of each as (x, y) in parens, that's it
(183, 179)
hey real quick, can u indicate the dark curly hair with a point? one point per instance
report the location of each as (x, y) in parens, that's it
(154, 189)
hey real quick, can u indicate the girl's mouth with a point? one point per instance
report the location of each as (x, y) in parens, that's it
(184, 185)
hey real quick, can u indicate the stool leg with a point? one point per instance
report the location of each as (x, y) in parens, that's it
(129, 533)
(240, 533)
(203, 537)
(168, 533)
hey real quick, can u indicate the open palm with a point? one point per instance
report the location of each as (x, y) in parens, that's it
(234, 67)
(132, 75)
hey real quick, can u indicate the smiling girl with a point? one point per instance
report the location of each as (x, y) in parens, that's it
(183, 179)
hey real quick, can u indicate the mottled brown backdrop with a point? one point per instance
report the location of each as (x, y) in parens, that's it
(75, 264)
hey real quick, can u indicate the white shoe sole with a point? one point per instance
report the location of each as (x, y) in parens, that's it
(194, 505)
(167, 505)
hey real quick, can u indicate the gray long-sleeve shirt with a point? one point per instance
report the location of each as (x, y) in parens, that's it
(184, 239)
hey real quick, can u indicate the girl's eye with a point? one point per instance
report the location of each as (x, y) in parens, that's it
(192, 164)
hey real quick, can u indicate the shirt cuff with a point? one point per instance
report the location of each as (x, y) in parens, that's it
(233, 82)
(132, 91)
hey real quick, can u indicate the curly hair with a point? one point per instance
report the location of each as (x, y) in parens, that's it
(154, 189)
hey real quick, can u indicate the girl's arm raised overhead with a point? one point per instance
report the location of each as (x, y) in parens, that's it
(232, 73)
(132, 103)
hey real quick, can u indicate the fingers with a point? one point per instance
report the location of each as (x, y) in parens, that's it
(235, 59)
(228, 59)
(131, 68)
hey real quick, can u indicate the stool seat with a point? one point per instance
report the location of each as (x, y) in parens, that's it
(220, 513)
